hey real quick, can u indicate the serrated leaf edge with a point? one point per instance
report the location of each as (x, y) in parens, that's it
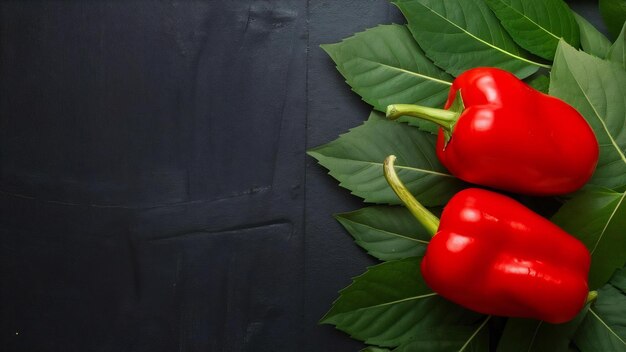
(528, 18)
(339, 67)
(483, 41)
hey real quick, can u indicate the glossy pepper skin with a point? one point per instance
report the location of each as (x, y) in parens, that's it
(493, 255)
(512, 137)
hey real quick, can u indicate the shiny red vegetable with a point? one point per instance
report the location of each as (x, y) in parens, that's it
(509, 136)
(493, 255)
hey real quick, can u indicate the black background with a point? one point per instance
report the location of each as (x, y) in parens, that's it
(154, 189)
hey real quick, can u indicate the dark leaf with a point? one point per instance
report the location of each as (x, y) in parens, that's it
(598, 218)
(390, 304)
(528, 335)
(591, 40)
(375, 349)
(385, 66)
(617, 52)
(537, 25)
(461, 34)
(604, 328)
(614, 15)
(356, 160)
(597, 89)
(457, 339)
(541, 83)
(387, 233)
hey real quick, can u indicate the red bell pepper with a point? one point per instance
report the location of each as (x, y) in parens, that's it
(500, 132)
(493, 255)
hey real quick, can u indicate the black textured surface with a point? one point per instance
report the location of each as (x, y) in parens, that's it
(154, 191)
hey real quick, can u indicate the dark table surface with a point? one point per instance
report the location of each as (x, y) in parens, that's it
(154, 189)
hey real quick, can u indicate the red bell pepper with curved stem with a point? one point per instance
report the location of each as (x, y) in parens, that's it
(510, 136)
(493, 255)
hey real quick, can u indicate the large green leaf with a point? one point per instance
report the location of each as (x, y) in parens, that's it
(617, 52)
(591, 40)
(537, 25)
(604, 328)
(457, 339)
(614, 14)
(387, 233)
(390, 304)
(598, 218)
(355, 159)
(597, 89)
(385, 66)
(528, 335)
(461, 34)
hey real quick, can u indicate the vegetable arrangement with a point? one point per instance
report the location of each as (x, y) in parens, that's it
(492, 274)
(509, 136)
(495, 256)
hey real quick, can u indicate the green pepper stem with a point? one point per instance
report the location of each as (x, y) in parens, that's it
(591, 296)
(423, 215)
(444, 118)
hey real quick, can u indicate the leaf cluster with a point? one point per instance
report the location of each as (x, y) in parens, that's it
(556, 51)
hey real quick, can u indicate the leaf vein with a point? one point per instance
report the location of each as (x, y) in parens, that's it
(474, 334)
(607, 223)
(393, 234)
(485, 42)
(597, 114)
(607, 326)
(412, 73)
(408, 168)
(531, 21)
(532, 340)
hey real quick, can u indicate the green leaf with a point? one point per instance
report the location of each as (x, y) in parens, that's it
(462, 34)
(598, 218)
(614, 14)
(591, 40)
(537, 25)
(619, 280)
(385, 66)
(617, 52)
(387, 233)
(541, 83)
(528, 335)
(375, 349)
(597, 89)
(604, 328)
(355, 159)
(390, 304)
(457, 339)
